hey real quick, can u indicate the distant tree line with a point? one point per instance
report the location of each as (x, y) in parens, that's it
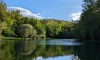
(13, 24)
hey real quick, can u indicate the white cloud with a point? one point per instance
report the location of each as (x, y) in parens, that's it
(26, 12)
(76, 16)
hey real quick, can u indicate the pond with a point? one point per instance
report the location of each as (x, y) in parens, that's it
(53, 49)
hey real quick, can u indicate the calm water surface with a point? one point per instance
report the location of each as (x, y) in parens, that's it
(54, 49)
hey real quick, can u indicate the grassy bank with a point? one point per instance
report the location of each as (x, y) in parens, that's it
(17, 38)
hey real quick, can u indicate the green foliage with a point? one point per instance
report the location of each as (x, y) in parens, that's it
(16, 24)
(2, 26)
(40, 28)
(8, 32)
(26, 30)
(89, 25)
(55, 28)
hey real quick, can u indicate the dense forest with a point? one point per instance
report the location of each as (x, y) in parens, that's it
(88, 27)
(13, 24)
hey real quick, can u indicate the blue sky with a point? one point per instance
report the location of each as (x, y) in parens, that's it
(58, 9)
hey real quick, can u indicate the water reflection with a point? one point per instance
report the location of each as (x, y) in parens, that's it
(44, 50)
(67, 57)
(66, 42)
(88, 51)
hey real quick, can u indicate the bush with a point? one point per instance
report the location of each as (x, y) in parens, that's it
(26, 31)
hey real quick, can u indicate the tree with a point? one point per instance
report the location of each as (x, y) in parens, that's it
(16, 24)
(40, 29)
(4, 14)
(2, 26)
(8, 32)
(89, 25)
(26, 30)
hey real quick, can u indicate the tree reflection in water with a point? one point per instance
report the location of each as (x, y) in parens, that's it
(88, 51)
(30, 50)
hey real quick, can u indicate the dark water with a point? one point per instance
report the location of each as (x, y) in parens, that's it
(54, 49)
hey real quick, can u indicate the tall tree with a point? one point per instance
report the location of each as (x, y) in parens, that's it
(89, 25)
